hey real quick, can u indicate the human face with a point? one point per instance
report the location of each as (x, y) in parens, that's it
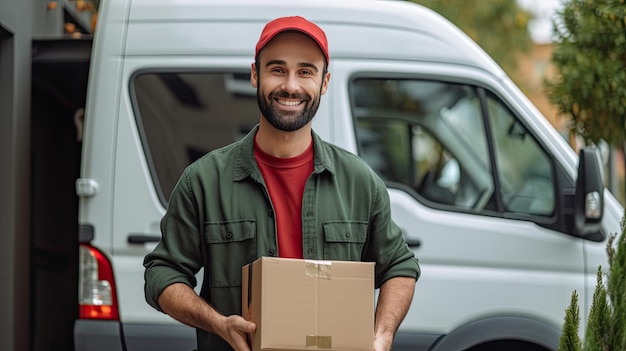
(290, 79)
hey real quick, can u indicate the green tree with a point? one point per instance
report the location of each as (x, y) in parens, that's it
(480, 19)
(616, 292)
(569, 337)
(590, 60)
(598, 327)
(606, 327)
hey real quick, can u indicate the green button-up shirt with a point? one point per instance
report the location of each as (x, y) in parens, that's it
(220, 217)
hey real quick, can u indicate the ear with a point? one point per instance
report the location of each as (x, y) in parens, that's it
(325, 82)
(253, 76)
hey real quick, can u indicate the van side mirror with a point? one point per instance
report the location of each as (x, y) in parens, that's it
(589, 198)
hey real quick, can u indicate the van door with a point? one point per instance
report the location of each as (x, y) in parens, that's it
(173, 112)
(477, 193)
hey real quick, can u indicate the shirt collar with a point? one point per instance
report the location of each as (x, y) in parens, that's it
(246, 166)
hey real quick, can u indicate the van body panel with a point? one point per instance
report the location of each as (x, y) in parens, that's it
(101, 122)
(368, 30)
(106, 336)
(170, 81)
(159, 337)
(486, 280)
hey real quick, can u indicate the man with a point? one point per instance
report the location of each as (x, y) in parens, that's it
(280, 191)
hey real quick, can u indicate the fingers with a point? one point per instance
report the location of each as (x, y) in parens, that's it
(251, 327)
(242, 324)
(237, 330)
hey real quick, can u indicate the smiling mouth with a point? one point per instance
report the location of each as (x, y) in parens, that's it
(289, 102)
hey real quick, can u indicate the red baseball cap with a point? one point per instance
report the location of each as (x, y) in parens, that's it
(296, 23)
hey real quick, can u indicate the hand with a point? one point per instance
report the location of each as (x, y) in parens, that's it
(235, 331)
(382, 343)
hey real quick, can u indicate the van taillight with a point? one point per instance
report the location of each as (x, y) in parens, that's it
(96, 287)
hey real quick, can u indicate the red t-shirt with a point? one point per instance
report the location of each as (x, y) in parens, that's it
(285, 179)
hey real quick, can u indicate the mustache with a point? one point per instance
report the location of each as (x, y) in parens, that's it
(286, 95)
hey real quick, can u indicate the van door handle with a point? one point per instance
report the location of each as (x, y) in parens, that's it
(415, 243)
(143, 238)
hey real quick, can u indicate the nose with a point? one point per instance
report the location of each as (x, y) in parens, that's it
(291, 83)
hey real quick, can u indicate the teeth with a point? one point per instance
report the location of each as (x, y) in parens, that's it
(289, 102)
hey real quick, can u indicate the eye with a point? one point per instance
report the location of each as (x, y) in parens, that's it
(306, 72)
(277, 69)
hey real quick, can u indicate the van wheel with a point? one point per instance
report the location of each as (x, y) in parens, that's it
(508, 345)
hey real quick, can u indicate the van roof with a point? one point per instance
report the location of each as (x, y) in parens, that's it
(373, 29)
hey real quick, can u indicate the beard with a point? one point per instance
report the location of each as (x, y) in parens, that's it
(287, 121)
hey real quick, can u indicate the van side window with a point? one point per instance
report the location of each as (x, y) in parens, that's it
(524, 170)
(181, 116)
(429, 138)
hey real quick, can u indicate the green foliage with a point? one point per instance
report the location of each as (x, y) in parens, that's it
(606, 325)
(480, 19)
(598, 327)
(569, 338)
(616, 290)
(590, 59)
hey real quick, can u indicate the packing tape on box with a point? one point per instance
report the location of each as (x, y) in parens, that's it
(319, 341)
(318, 269)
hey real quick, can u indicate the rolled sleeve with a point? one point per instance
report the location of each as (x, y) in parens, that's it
(178, 256)
(386, 245)
(157, 278)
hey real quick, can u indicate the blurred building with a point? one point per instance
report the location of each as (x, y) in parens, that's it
(533, 68)
(44, 59)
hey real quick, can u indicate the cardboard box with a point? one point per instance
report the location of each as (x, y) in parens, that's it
(309, 305)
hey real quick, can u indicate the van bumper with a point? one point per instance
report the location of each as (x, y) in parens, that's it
(94, 335)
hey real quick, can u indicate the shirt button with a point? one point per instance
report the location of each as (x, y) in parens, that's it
(309, 213)
(348, 235)
(310, 251)
(270, 252)
(229, 235)
(270, 214)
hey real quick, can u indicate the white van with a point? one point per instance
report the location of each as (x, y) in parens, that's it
(484, 188)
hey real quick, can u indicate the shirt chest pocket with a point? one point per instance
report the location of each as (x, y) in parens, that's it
(230, 246)
(344, 240)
